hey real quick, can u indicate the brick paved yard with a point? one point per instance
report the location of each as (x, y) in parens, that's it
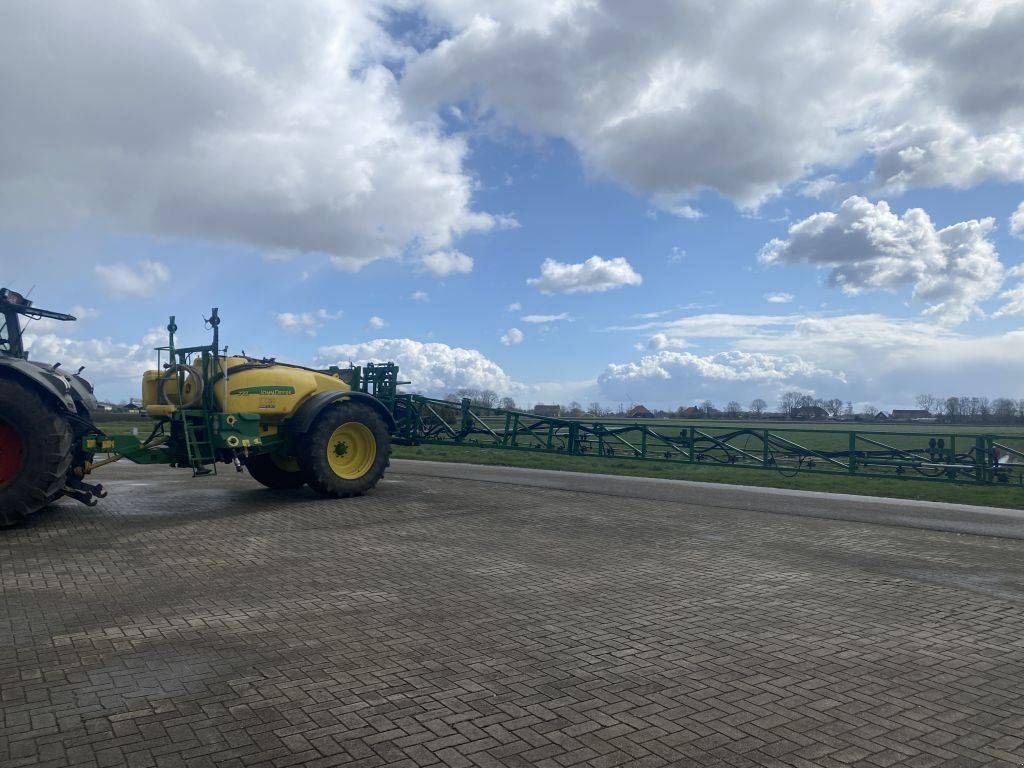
(446, 621)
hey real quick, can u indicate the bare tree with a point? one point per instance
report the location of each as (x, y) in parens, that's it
(482, 398)
(575, 409)
(734, 409)
(834, 407)
(1004, 409)
(707, 408)
(966, 407)
(927, 403)
(758, 406)
(952, 408)
(787, 403)
(869, 410)
(594, 409)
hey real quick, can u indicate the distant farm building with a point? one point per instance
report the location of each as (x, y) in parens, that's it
(689, 413)
(900, 414)
(809, 413)
(549, 411)
(639, 412)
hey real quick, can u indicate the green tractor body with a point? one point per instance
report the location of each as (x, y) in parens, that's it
(45, 421)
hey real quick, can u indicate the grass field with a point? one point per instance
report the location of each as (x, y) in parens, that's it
(962, 493)
(965, 493)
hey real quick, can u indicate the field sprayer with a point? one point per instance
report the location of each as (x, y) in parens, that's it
(287, 425)
(332, 429)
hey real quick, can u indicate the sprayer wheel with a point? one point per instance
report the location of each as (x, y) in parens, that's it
(35, 452)
(346, 451)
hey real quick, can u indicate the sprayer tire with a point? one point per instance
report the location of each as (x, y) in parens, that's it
(266, 471)
(346, 450)
(35, 451)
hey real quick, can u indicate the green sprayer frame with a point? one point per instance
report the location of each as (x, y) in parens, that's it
(926, 452)
(922, 452)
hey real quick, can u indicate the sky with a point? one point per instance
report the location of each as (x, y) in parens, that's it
(568, 200)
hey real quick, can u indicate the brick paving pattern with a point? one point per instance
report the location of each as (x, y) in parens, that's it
(445, 622)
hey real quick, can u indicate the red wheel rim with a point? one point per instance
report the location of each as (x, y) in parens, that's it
(11, 453)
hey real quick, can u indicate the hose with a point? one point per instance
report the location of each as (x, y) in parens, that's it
(188, 373)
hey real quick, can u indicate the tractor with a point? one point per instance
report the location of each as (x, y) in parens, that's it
(44, 418)
(287, 425)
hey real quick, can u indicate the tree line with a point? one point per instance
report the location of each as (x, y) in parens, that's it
(953, 409)
(964, 408)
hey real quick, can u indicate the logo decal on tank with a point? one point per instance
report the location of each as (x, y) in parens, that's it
(267, 390)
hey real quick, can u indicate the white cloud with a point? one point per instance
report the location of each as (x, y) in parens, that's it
(676, 255)
(512, 337)
(744, 98)
(1013, 302)
(113, 368)
(778, 298)
(1017, 221)
(660, 341)
(652, 315)
(433, 368)
(376, 323)
(442, 263)
(715, 325)
(515, 306)
(820, 186)
(678, 377)
(306, 322)
(594, 275)
(284, 130)
(141, 279)
(420, 296)
(546, 318)
(676, 208)
(864, 357)
(948, 154)
(868, 247)
(505, 221)
(1013, 299)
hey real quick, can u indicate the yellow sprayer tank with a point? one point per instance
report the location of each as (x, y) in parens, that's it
(268, 388)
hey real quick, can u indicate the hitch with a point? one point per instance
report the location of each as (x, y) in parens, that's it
(87, 493)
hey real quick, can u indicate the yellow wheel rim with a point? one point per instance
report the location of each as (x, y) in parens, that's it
(351, 450)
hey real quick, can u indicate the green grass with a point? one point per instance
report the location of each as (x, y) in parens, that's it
(125, 426)
(963, 493)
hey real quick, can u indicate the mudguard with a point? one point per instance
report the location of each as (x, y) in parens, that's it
(55, 385)
(304, 416)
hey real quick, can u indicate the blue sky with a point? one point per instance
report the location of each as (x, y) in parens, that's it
(831, 211)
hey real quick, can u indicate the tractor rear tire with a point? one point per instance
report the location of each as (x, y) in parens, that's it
(266, 470)
(35, 452)
(346, 450)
